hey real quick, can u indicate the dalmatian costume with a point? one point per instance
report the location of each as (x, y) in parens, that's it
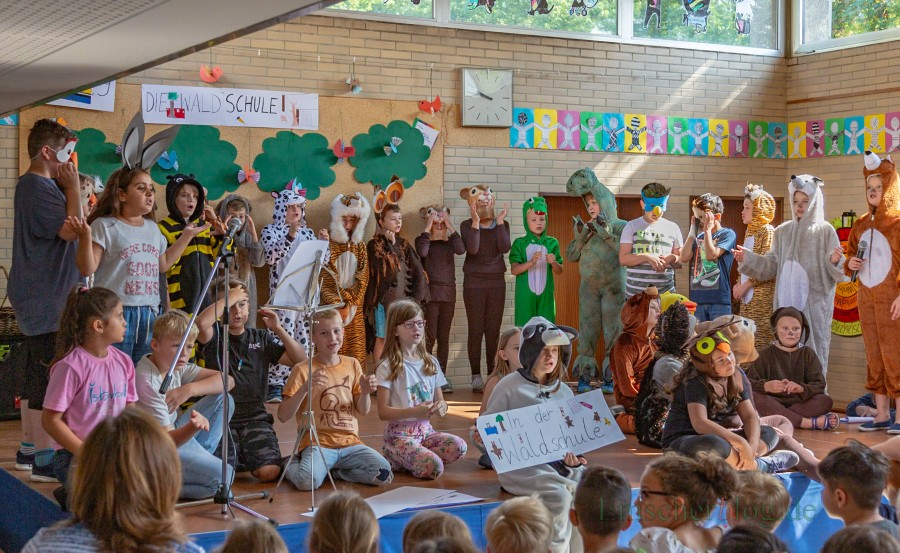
(279, 248)
(800, 259)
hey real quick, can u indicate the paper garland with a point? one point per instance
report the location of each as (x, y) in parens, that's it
(638, 133)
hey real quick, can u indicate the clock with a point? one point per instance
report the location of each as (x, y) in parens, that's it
(487, 97)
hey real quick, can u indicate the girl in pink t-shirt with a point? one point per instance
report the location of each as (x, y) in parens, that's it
(89, 380)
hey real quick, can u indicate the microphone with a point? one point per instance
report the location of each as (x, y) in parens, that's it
(860, 253)
(234, 225)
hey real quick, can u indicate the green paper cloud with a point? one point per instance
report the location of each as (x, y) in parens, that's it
(96, 156)
(201, 151)
(375, 166)
(285, 156)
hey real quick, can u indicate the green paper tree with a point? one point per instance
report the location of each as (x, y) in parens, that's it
(286, 156)
(374, 164)
(96, 156)
(200, 150)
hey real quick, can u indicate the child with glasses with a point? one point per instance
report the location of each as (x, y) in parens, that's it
(409, 394)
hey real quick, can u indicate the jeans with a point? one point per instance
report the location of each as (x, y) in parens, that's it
(139, 330)
(62, 465)
(355, 463)
(709, 311)
(201, 470)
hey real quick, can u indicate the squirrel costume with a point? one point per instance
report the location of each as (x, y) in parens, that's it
(756, 303)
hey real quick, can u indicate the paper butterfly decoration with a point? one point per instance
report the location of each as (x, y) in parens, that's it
(248, 174)
(296, 187)
(343, 152)
(433, 106)
(168, 160)
(208, 75)
(391, 147)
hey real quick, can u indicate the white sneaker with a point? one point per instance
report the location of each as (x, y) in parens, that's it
(477, 383)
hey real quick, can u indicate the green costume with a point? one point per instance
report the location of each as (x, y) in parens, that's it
(602, 292)
(534, 287)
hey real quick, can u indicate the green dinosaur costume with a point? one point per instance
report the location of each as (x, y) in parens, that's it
(602, 292)
(534, 287)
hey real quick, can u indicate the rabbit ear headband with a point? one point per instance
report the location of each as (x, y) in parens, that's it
(139, 154)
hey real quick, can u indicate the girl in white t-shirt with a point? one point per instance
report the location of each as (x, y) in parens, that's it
(123, 248)
(409, 394)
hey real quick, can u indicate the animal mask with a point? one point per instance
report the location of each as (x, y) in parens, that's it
(139, 154)
(538, 206)
(763, 207)
(482, 197)
(739, 331)
(439, 230)
(656, 205)
(350, 205)
(890, 190)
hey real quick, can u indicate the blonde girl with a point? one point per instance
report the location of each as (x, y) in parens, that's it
(505, 361)
(344, 523)
(409, 394)
(253, 536)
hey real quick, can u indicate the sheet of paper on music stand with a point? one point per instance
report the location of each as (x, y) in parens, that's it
(291, 290)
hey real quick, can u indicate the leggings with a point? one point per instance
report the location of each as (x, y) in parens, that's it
(439, 318)
(813, 407)
(694, 444)
(484, 314)
(416, 447)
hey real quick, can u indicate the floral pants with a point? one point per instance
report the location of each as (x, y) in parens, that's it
(415, 446)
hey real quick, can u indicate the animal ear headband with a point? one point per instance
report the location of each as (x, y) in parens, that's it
(390, 195)
(137, 154)
(424, 212)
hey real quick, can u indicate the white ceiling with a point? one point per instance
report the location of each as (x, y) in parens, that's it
(49, 48)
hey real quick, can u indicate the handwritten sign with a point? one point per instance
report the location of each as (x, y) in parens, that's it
(99, 98)
(229, 107)
(545, 432)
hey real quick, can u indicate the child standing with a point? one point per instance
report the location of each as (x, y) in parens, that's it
(756, 296)
(545, 350)
(650, 244)
(633, 352)
(248, 250)
(711, 258)
(340, 392)
(251, 351)
(409, 394)
(125, 251)
(529, 259)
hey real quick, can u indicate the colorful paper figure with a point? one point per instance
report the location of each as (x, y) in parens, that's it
(168, 160)
(815, 138)
(743, 13)
(474, 4)
(698, 130)
(636, 129)
(521, 134)
(392, 145)
(777, 138)
(580, 7)
(718, 137)
(657, 134)
(613, 129)
(591, 126)
(540, 7)
(875, 133)
(654, 7)
(739, 138)
(854, 128)
(248, 174)
(568, 136)
(759, 138)
(545, 125)
(678, 135)
(696, 14)
(432, 106)
(341, 151)
(797, 138)
(892, 131)
(834, 137)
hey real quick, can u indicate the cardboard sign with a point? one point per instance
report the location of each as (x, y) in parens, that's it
(545, 432)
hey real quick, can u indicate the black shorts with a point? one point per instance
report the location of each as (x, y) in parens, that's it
(256, 445)
(34, 366)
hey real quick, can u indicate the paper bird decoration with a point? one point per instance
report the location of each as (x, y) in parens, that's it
(168, 160)
(433, 106)
(391, 147)
(354, 85)
(247, 175)
(343, 152)
(208, 75)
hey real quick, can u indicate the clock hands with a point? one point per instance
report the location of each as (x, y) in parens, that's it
(483, 95)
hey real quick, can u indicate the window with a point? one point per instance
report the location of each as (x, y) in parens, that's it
(575, 16)
(406, 8)
(750, 23)
(829, 24)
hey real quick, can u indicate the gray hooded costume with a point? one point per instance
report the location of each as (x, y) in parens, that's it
(248, 254)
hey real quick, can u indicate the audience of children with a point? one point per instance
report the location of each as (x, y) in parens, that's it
(602, 508)
(253, 536)
(534, 259)
(201, 470)
(344, 523)
(409, 394)
(751, 539)
(760, 500)
(710, 258)
(250, 352)
(505, 362)
(787, 377)
(433, 524)
(756, 296)
(248, 250)
(340, 393)
(520, 524)
(650, 244)
(544, 352)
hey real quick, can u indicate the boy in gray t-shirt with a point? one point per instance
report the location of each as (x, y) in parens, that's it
(650, 244)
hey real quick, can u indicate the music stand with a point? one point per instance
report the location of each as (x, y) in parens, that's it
(298, 291)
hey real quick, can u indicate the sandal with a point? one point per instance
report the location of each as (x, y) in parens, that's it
(832, 422)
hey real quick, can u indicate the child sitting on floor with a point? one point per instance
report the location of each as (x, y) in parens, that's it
(750, 538)
(253, 536)
(505, 362)
(760, 499)
(861, 539)
(433, 524)
(344, 523)
(633, 352)
(520, 524)
(602, 508)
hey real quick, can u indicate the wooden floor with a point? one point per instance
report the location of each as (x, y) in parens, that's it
(465, 475)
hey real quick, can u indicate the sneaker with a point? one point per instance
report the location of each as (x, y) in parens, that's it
(777, 461)
(274, 394)
(447, 388)
(584, 386)
(485, 461)
(873, 426)
(607, 387)
(477, 383)
(24, 462)
(894, 429)
(43, 473)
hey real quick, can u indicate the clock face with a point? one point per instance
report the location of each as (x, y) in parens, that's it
(487, 97)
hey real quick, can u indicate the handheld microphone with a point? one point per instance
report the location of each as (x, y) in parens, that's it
(860, 253)
(234, 225)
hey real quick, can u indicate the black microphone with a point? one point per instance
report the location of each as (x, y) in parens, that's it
(860, 253)
(234, 225)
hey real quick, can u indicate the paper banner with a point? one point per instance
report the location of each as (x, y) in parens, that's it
(777, 140)
(229, 107)
(739, 138)
(797, 140)
(657, 134)
(719, 139)
(99, 98)
(591, 131)
(545, 126)
(698, 134)
(568, 135)
(521, 134)
(892, 131)
(635, 133)
(815, 138)
(613, 132)
(834, 137)
(854, 141)
(544, 433)
(678, 135)
(874, 139)
(759, 139)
